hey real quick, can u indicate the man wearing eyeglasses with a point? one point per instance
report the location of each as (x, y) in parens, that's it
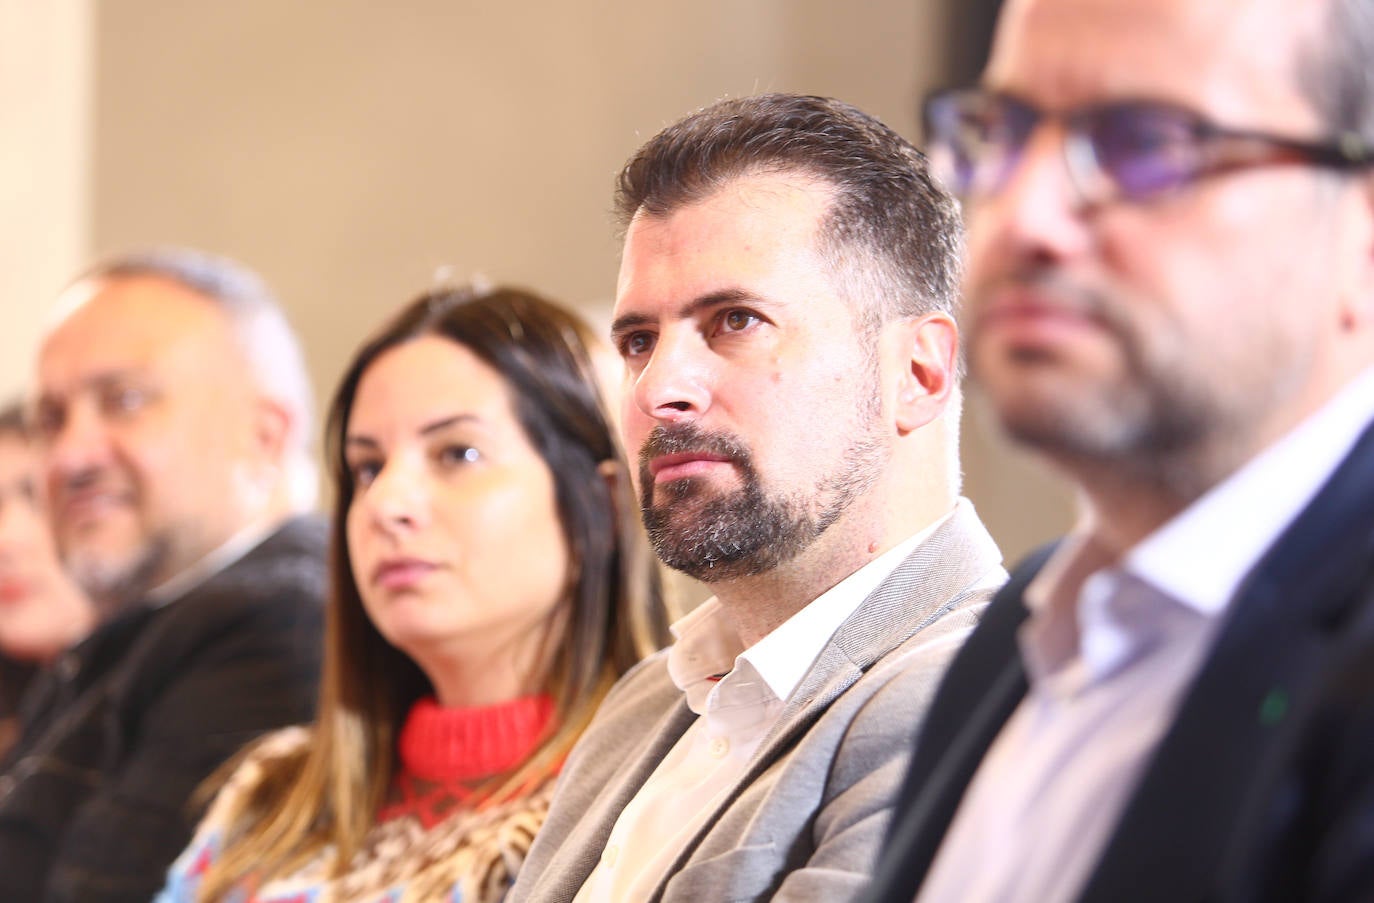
(1170, 296)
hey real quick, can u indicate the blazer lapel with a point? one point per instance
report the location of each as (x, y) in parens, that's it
(934, 579)
(983, 686)
(1255, 686)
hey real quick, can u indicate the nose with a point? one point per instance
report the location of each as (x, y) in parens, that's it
(1037, 212)
(397, 499)
(79, 446)
(674, 384)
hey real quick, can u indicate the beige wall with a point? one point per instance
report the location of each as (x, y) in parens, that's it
(45, 69)
(350, 149)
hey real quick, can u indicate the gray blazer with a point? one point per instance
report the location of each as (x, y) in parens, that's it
(807, 817)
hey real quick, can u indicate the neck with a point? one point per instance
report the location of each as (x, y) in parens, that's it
(482, 671)
(1130, 495)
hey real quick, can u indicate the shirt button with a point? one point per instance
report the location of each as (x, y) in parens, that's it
(718, 747)
(610, 855)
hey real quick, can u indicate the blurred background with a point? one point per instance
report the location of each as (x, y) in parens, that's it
(352, 151)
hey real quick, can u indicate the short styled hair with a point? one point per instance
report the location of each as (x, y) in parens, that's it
(892, 238)
(261, 331)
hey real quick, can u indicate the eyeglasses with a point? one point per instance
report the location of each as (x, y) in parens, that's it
(1133, 150)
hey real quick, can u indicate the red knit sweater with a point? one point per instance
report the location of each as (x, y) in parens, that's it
(447, 753)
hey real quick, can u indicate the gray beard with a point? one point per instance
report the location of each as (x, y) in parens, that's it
(116, 586)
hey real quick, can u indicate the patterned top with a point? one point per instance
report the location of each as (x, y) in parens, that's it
(430, 843)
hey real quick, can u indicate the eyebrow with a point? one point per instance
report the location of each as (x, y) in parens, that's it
(629, 321)
(434, 426)
(104, 379)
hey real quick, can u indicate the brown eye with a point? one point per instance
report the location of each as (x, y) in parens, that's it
(121, 401)
(635, 344)
(362, 473)
(451, 455)
(48, 419)
(737, 320)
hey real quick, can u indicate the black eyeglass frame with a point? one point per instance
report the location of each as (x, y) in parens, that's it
(1217, 149)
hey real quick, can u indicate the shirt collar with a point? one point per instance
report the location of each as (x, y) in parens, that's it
(1235, 522)
(213, 562)
(1198, 558)
(706, 645)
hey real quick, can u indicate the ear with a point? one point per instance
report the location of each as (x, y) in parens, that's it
(613, 473)
(927, 355)
(271, 430)
(1356, 252)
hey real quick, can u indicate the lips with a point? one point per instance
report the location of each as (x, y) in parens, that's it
(87, 505)
(402, 573)
(12, 590)
(680, 466)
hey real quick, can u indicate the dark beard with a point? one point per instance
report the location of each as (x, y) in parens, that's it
(742, 533)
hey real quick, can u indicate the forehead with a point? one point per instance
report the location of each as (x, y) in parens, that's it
(746, 232)
(426, 378)
(1232, 59)
(133, 324)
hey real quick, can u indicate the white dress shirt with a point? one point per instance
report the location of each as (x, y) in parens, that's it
(736, 712)
(1108, 668)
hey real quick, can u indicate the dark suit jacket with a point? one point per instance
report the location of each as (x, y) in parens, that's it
(1263, 787)
(95, 799)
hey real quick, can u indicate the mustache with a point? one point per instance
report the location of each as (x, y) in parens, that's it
(687, 438)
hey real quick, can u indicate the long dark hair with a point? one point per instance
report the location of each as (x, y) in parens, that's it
(613, 614)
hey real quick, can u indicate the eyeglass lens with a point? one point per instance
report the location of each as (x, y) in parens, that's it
(1136, 150)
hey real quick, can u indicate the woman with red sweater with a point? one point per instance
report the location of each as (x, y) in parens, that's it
(489, 585)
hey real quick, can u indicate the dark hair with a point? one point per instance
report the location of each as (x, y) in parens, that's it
(1335, 69)
(329, 792)
(893, 237)
(541, 351)
(14, 423)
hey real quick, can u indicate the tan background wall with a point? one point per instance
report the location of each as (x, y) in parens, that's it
(350, 149)
(45, 198)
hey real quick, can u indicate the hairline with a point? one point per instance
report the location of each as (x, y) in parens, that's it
(873, 308)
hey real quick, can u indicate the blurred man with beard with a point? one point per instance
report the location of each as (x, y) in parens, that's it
(172, 412)
(1170, 296)
(784, 312)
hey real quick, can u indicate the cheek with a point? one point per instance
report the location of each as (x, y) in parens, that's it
(634, 425)
(516, 538)
(38, 539)
(355, 539)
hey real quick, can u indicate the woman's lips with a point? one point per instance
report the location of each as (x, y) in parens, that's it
(401, 573)
(666, 468)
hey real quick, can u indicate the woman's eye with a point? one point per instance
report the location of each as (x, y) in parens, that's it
(364, 472)
(459, 454)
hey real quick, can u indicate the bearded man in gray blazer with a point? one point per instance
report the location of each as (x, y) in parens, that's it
(784, 312)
